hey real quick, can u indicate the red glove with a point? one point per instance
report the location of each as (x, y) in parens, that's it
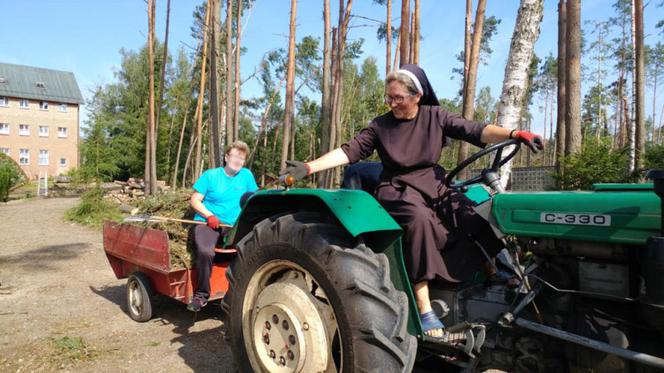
(533, 141)
(213, 222)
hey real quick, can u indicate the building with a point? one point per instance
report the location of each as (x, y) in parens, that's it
(39, 118)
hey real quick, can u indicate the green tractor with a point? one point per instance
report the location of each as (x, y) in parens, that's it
(319, 282)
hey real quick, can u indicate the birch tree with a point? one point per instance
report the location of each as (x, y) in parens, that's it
(526, 32)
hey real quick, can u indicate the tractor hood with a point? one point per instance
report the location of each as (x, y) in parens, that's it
(616, 213)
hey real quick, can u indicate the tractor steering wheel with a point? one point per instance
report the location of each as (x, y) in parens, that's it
(489, 175)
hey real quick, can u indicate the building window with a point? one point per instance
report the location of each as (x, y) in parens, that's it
(4, 128)
(43, 131)
(43, 157)
(24, 130)
(4, 101)
(63, 108)
(23, 157)
(4, 151)
(63, 162)
(43, 105)
(23, 104)
(62, 131)
(40, 84)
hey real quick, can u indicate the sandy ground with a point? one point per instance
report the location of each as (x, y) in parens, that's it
(61, 307)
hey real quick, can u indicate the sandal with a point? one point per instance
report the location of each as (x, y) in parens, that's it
(430, 322)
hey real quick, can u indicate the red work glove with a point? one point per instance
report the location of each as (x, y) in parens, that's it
(213, 222)
(533, 141)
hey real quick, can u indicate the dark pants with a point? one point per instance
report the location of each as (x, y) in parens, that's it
(206, 239)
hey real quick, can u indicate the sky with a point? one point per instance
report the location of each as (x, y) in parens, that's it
(85, 36)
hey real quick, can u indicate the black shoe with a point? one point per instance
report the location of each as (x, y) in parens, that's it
(196, 304)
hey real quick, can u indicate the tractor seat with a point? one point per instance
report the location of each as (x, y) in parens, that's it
(362, 176)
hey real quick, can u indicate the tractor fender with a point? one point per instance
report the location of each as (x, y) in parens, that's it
(355, 210)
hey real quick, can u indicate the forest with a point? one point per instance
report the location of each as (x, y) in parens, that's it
(170, 112)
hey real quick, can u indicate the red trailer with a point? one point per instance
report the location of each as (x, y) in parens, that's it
(141, 254)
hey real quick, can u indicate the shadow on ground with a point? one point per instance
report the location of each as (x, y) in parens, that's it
(202, 350)
(44, 257)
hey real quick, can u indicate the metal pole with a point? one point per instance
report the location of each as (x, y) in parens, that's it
(591, 343)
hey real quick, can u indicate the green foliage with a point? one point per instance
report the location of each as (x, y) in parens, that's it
(93, 209)
(10, 175)
(654, 157)
(74, 348)
(597, 162)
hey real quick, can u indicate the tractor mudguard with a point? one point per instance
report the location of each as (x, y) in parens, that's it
(355, 210)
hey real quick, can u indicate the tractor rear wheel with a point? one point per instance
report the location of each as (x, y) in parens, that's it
(304, 298)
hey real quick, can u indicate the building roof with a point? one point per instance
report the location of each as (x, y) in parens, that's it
(39, 84)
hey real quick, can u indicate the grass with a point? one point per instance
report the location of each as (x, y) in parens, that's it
(93, 210)
(74, 348)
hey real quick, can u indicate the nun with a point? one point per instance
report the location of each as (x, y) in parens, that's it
(409, 141)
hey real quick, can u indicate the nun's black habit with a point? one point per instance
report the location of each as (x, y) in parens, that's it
(411, 188)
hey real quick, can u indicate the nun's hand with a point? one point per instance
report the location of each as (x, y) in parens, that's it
(297, 169)
(533, 141)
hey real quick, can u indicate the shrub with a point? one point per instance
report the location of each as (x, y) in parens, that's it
(93, 209)
(10, 175)
(654, 157)
(597, 162)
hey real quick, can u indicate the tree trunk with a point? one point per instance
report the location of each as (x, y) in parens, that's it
(164, 62)
(467, 43)
(344, 18)
(215, 84)
(562, 62)
(151, 183)
(388, 29)
(468, 111)
(290, 80)
(640, 109)
(526, 32)
(174, 176)
(404, 33)
(201, 94)
(230, 120)
(326, 99)
(416, 34)
(573, 79)
(238, 39)
(631, 125)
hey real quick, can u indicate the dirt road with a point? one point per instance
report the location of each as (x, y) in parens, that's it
(61, 307)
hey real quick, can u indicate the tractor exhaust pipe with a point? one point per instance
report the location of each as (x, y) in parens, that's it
(639, 357)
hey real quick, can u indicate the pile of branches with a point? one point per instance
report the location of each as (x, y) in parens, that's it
(173, 204)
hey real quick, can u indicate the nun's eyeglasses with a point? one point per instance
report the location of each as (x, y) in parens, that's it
(396, 99)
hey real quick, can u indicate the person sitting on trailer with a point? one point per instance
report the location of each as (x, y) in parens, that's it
(216, 200)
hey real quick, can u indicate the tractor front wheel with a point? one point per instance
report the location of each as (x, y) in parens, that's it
(304, 298)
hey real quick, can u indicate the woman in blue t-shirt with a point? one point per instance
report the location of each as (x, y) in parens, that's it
(216, 200)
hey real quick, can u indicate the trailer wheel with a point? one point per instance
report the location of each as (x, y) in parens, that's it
(139, 297)
(304, 298)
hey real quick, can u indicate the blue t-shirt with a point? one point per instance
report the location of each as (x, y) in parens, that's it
(221, 193)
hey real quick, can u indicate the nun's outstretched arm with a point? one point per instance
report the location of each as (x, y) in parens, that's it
(492, 134)
(335, 158)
